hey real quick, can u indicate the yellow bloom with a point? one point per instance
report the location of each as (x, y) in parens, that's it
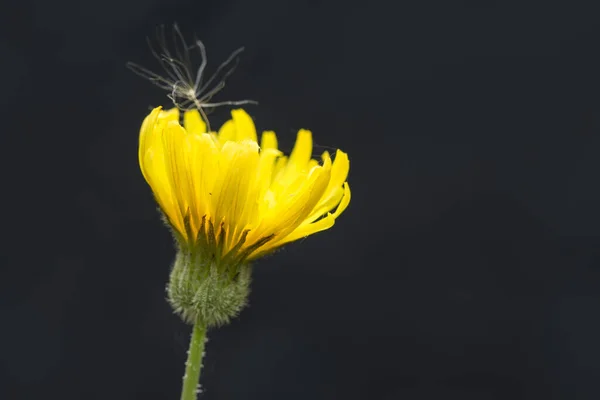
(235, 199)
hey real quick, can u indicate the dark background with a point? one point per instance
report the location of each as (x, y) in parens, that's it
(466, 267)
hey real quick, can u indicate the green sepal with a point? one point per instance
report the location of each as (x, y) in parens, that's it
(200, 289)
(206, 285)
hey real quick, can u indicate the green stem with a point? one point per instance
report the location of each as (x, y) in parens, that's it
(193, 365)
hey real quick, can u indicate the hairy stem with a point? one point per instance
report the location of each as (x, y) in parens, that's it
(193, 365)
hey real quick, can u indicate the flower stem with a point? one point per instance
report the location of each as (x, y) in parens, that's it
(193, 365)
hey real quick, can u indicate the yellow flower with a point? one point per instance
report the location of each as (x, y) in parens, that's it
(225, 193)
(229, 201)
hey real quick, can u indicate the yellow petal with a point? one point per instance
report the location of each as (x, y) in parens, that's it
(302, 151)
(157, 177)
(169, 115)
(204, 158)
(268, 140)
(345, 201)
(266, 168)
(334, 192)
(158, 181)
(176, 152)
(226, 132)
(193, 123)
(298, 162)
(234, 185)
(305, 230)
(279, 168)
(240, 127)
(308, 228)
(293, 206)
(244, 126)
(146, 131)
(327, 203)
(339, 169)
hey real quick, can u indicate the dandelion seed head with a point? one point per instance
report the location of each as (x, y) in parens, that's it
(187, 89)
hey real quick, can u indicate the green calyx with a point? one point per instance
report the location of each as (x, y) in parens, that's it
(208, 284)
(203, 289)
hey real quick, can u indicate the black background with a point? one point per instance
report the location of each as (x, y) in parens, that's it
(466, 267)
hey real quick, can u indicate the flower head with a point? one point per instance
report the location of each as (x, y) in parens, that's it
(230, 200)
(251, 198)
